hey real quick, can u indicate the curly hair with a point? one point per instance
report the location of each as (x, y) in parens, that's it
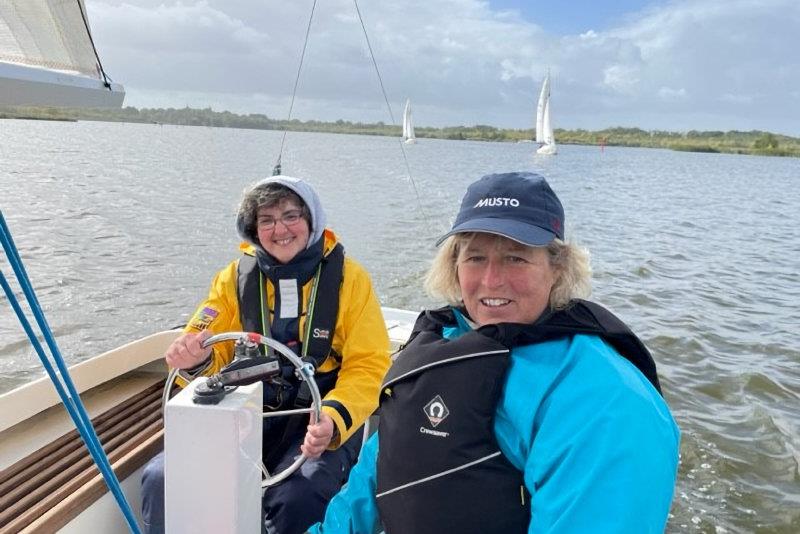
(267, 196)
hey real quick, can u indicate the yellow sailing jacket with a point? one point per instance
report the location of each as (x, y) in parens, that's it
(360, 338)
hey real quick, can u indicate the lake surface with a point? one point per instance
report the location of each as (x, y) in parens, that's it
(122, 226)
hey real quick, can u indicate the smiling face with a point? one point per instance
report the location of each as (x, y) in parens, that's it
(503, 281)
(282, 230)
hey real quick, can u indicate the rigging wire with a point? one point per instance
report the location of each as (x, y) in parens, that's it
(391, 115)
(94, 48)
(277, 169)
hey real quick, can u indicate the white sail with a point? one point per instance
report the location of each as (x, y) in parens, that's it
(47, 57)
(408, 124)
(544, 95)
(544, 123)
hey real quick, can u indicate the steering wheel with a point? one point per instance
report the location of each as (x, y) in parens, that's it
(303, 370)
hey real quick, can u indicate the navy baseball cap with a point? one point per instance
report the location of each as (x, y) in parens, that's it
(517, 205)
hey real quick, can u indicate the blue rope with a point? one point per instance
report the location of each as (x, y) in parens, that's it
(70, 397)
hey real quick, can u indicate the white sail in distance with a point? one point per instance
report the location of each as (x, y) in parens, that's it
(408, 124)
(544, 94)
(544, 123)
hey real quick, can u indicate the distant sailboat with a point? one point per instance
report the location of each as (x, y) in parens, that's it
(48, 57)
(544, 125)
(408, 124)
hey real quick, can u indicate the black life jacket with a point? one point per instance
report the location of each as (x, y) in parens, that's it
(325, 305)
(580, 317)
(439, 466)
(316, 345)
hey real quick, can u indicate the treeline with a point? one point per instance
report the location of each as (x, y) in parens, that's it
(733, 142)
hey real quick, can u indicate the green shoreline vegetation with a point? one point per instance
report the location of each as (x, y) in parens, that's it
(732, 142)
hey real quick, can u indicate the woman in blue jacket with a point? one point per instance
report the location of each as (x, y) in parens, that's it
(519, 407)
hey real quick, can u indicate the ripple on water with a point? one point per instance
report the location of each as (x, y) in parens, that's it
(754, 448)
(677, 344)
(763, 385)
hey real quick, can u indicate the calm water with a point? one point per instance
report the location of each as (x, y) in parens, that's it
(122, 226)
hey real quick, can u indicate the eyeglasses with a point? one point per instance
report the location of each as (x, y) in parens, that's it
(290, 218)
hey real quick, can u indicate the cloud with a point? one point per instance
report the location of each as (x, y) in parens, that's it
(668, 93)
(185, 29)
(713, 50)
(737, 99)
(176, 46)
(731, 61)
(621, 78)
(476, 60)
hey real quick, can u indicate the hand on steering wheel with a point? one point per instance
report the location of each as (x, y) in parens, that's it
(305, 372)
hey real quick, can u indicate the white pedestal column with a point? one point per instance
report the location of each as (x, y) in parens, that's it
(213, 454)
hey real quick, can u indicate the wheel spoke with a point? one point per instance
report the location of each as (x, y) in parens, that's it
(283, 413)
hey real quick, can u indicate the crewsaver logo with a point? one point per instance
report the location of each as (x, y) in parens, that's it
(436, 410)
(491, 202)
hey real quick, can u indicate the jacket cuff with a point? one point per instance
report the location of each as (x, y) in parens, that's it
(202, 366)
(342, 420)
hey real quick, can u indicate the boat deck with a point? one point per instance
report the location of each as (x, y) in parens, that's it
(47, 477)
(49, 487)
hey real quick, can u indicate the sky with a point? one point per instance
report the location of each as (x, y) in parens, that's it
(674, 65)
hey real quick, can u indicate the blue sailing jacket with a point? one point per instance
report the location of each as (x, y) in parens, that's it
(595, 441)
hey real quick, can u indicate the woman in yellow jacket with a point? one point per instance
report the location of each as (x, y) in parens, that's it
(294, 284)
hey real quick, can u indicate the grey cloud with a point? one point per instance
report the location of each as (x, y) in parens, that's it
(460, 62)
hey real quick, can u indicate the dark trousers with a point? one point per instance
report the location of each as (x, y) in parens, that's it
(289, 507)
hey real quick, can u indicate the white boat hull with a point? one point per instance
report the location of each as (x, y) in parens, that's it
(547, 150)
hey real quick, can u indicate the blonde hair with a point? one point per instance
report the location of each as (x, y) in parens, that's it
(570, 261)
